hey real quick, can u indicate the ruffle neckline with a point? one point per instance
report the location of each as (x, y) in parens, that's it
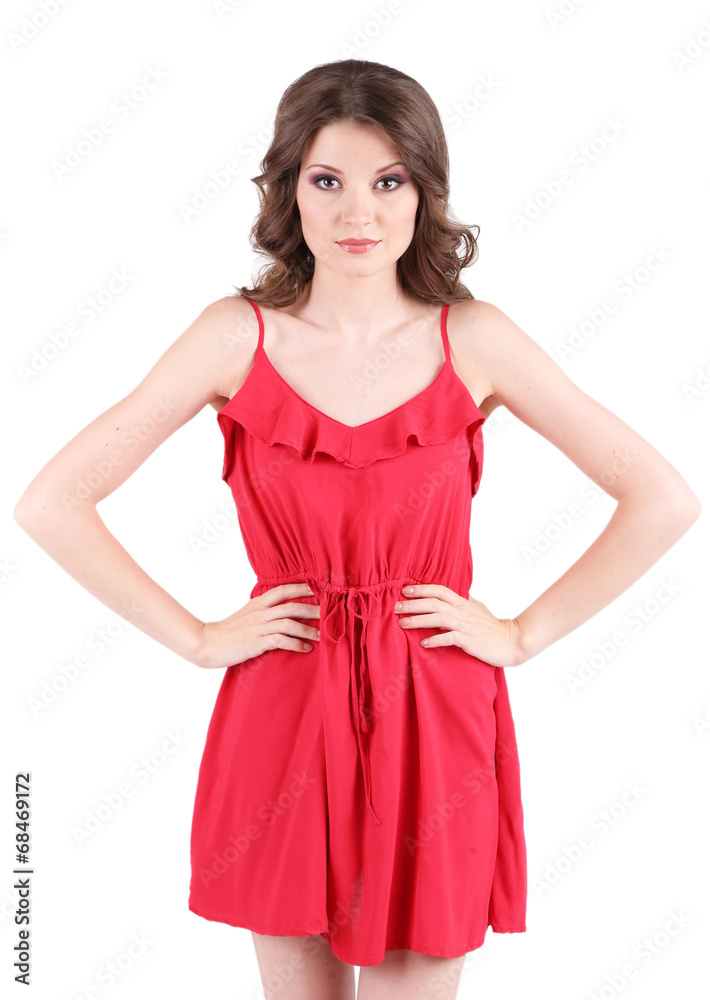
(268, 408)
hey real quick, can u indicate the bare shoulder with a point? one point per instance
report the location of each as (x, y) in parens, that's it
(487, 340)
(469, 326)
(230, 330)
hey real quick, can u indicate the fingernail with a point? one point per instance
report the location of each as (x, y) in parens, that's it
(309, 589)
(407, 590)
(318, 631)
(307, 645)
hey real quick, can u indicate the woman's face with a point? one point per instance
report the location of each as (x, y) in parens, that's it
(352, 185)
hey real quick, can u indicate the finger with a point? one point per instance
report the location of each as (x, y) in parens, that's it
(444, 619)
(433, 620)
(421, 604)
(280, 641)
(429, 590)
(289, 627)
(442, 639)
(296, 610)
(283, 592)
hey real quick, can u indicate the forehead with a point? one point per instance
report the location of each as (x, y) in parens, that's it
(345, 142)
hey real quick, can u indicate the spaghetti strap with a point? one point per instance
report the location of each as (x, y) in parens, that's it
(444, 332)
(260, 344)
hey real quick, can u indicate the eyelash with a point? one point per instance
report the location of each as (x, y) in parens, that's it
(390, 177)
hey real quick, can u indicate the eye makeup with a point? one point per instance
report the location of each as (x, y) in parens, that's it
(317, 178)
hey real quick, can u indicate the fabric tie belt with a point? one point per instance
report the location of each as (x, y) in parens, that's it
(346, 604)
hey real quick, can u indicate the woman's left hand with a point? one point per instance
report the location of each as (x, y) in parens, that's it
(468, 624)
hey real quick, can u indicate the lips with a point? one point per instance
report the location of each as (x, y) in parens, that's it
(357, 246)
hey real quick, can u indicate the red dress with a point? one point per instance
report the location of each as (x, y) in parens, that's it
(368, 790)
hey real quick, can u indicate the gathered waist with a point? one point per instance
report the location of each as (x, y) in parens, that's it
(321, 584)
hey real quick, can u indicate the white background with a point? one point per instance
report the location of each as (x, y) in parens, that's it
(641, 718)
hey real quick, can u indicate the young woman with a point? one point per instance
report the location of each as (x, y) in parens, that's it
(358, 800)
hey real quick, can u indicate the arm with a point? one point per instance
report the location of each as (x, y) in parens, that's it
(65, 521)
(655, 505)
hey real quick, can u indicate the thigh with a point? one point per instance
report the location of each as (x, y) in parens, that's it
(302, 968)
(409, 975)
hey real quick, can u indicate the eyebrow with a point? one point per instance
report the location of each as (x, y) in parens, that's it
(336, 171)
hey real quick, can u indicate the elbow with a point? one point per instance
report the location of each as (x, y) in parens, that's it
(692, 508)
(669, 512)
(21, 510)
(32, 509)
(685, 504)
(675, 500)
(43, 509)
(683, 510)
(26, 512)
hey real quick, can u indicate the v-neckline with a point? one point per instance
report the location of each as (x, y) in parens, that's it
(260, 351)
(351, 427)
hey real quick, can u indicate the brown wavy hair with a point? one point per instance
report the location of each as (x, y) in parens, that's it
(375, 95)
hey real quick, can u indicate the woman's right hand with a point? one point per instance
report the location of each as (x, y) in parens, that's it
(265, 622)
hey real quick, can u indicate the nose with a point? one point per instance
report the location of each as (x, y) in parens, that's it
(357, 207)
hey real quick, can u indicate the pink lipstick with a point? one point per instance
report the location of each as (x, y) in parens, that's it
(357, 246)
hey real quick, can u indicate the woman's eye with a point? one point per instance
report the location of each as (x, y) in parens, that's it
(398, 181)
